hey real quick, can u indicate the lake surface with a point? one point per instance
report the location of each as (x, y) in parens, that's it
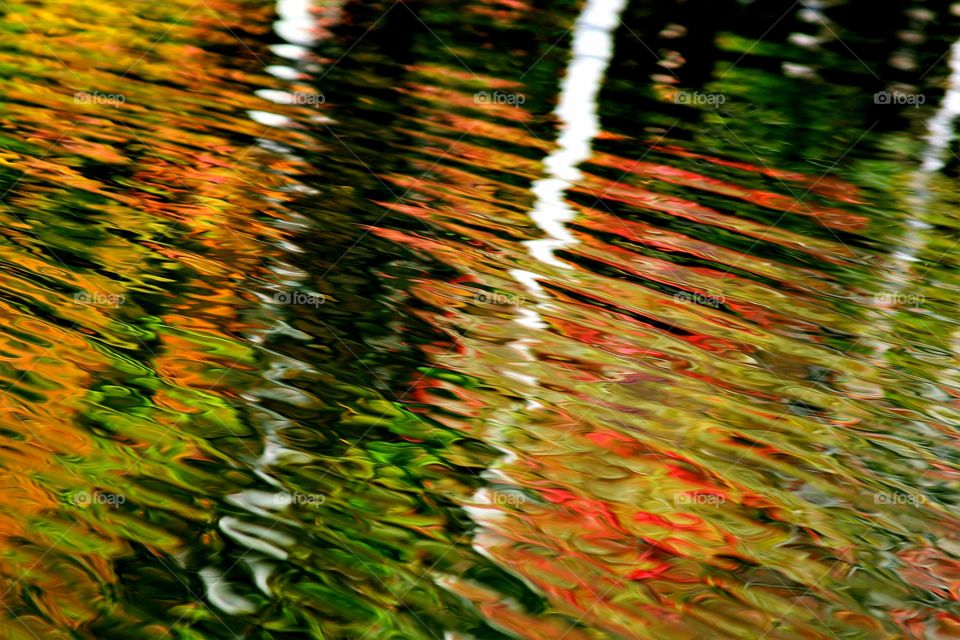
(479, 320)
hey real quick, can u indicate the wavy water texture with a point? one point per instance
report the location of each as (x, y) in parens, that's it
(357, 320)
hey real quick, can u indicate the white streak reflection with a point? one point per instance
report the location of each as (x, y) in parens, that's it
(579, 125)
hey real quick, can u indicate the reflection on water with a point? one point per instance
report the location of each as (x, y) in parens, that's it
(592, 48)
(479, 320)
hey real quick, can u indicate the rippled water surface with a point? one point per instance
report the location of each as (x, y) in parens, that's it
(476, 320)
